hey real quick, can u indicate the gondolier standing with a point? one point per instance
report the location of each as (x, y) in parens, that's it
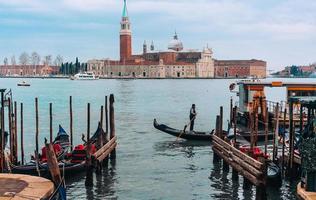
(192, 117)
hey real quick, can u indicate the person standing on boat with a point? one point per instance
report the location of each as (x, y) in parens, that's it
(192, 117)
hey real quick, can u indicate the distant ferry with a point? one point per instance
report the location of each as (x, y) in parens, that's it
(85, 76)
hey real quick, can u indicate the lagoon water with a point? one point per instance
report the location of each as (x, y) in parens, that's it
(149, 164)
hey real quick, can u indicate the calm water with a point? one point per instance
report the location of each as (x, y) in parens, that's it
(149, 164)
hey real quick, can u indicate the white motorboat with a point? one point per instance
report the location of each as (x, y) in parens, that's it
(85, 76)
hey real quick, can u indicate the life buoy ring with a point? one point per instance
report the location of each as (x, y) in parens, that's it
(232, 86)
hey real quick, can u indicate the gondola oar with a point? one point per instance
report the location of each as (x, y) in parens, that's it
(185, 127)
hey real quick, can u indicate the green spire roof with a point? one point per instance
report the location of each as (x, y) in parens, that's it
(125, 14)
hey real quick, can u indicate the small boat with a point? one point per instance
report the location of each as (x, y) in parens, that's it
(85, 76)
(189, 135)
(69, 163)
(68, 168)
(24, 84)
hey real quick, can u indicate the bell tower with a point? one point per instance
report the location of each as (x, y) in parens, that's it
(125, 36)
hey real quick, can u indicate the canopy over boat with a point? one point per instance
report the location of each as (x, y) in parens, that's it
(189, 135)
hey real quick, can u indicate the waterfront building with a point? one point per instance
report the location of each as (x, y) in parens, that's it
(175, 62)
(28, 70)
(240, 68)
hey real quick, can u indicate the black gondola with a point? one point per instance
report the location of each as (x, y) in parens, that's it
(68, 168)
(189, 135)
(71, 164)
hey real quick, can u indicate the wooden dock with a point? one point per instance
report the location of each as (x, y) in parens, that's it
(17, 186)
(304, 195)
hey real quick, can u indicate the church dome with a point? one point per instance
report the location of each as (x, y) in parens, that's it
(175, 44)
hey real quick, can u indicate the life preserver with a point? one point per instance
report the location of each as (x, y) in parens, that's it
(232, 86)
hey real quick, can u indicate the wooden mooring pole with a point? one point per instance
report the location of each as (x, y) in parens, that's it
(2, 161)
(283, 142)
(70, 123)
(21, 132)
(50, 123)
(291, 138)
(36, 126)
(10, 130)
(112, 124)
(266, 130)
(89, 177)
(216, 158)
(235, 172)
(53, 164)
(15, 144)
(105, 137)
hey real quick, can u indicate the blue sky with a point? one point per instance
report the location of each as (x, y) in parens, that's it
(278, 31)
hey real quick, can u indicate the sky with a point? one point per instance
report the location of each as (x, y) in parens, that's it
(281, 32)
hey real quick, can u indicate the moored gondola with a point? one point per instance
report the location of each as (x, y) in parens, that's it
(69, 163)
(189, 135)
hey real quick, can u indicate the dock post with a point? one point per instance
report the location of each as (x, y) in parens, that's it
(283, 141)
(246, 184)
(266, 130)
(216, 158)
(221, 122)
(235, 173)
(50, 123)
(291, 137)
(53, 164)
(36, 127)
(2, 161)
(276, 133)
(105, 136)
(21, 132)
(231, 110)
(100, 142)
(261, 189)
(89, 177)
(70, 123)
(112, 124)
(15, 143)
(10, 130)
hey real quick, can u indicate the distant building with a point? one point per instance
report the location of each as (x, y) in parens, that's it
(175, 62)
(28, 70)
(240, 68)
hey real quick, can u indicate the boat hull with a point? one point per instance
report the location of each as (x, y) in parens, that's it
(188, 135)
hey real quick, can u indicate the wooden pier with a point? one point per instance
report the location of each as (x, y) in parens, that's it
(99, 148)
(18, 186)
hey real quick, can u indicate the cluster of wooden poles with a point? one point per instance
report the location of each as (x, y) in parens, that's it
(106, 148)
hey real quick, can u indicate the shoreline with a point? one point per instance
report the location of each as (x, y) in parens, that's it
(127, 78)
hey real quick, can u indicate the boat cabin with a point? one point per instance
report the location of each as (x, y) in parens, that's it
(255, 88)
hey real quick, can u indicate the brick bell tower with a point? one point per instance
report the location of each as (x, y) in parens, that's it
(125, 36)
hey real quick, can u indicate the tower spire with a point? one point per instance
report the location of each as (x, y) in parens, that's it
(125, 13)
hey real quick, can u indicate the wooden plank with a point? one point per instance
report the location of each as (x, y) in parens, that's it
(230, 155)
(238, 153)
(240, 170)
(107, 152)
(104, 148)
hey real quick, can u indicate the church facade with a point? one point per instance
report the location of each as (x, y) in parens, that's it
(175, 62)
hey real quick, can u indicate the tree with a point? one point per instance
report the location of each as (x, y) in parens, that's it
(13, 62)
(47, 60)
(35, 58)
(5, 61)
(58, 60)
(24, 58)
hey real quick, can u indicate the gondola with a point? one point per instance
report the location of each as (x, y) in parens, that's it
(66, 168)
(69, 164)
(189, 135)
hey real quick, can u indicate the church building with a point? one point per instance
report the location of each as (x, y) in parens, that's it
(175, 62)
